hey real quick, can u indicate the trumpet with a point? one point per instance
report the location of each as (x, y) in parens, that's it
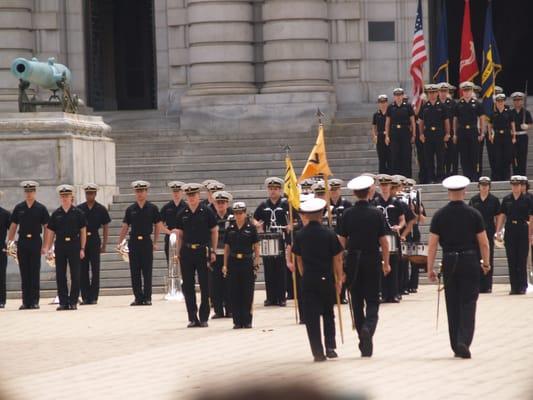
(51, 257)
(124, 251)
(173, 280)
(11, 250)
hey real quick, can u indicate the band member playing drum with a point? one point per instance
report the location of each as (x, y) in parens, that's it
(394, 222)
(319, 254)
(241, 261)
(364, 262)
(270, 218)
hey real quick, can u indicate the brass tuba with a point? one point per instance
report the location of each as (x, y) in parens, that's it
(124, 251)
(173, 280)
(51, 257)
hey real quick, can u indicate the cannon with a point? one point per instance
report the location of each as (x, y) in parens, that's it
(47, 75)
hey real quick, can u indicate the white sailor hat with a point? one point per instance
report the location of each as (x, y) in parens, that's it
(484, 180)
(517, 95)
(207, 182)
(306, 196)
(399, 178)
(307, 183)
(499, 96)
(192, 188)
(383, 97)
(319, 187)
(477, 88)
(410, 182)
(222, 195)
(239, 206)
(396, 180)
(90, 187)
(313, 205)
(140, 185)
(370, 174)
(398, 91)
(431, 87)
(498, 89)
(362, 182)
(456, 182)
(335, 183)
(467, 85)
(384, 179)
(515, 179)
(65, 189)
(215, 186)
(444, 86)
(273, 181)
(175, 186)
(524, 179)
(29, 186)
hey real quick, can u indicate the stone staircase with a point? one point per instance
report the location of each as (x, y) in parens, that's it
(152, 147)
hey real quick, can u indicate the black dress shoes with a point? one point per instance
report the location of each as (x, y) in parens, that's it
(365, 343)
(320, 358)
(217, 316)
(203, 324)
(331, 353)
(462, 351)
(136, 303)
(24, 307)
(237, 326)
(73, 307)
(62, 308)
(2, 305)
(147, 303)
(268, 303)
(35, 307)
(247, 326)
(193, 324)
(282, 303)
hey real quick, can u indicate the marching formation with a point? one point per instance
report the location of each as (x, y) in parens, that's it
(318, 254)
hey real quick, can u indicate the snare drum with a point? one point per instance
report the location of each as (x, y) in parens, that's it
(419, 253)
(270, 244)
(393, 243)
(406, 250)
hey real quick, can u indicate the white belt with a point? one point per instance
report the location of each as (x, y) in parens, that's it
(219, 252)
(521, 133)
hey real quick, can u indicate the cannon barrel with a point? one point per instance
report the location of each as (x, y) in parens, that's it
(44, 74)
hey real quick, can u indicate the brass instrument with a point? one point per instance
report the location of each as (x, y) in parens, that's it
(51, 257)
(11, 250)
(173, 280)
(124, 251)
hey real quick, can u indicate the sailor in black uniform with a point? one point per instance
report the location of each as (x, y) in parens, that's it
(170, 211)
(502, 136)
(378, 135)
(522, 120)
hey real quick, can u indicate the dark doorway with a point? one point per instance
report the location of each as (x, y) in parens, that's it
(120, 54)
(513, 31)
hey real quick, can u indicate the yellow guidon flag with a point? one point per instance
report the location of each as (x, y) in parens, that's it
(317, 163)
(291, 185)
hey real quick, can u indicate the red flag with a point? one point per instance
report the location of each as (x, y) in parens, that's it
(468, 69)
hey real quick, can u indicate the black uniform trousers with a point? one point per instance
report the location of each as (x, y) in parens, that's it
(384, 155)
(461, 290)
(29, 258)
(421, 160)
(390, 283)
(451, 159)
(503, 155)
(195, 261)
(3, 267)
(241, 283)
(517, 248)
(434, 156)
(414, 276)
(275, 278)
(141, 263)
(403, 278)
(167, 238)
(485, 281)
(299, 290)
(491, 157)
(364, 291)
(67, 253)
(401, 152)
(319, 299)
(480, 157)
(289, 286)
(521, 146)
(90, 270)
(468, 145)
(219, 288)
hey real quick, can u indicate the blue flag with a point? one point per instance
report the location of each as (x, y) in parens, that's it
(442, 60)
(491, 64)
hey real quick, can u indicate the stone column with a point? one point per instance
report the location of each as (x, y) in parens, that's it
(16, 40)
(296, 50)
(221, 52)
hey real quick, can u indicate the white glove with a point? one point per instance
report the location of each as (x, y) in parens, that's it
(524, 126)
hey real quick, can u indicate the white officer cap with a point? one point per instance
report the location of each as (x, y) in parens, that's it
(467, 85)
(517, 95)
(307, 183)
(306, 196)
(29, 186)
(313, 205)
(484, 180)
(175, 186)
(362, 182)
(524, 179)
(319, 187)
(499, 97)
(191, 188)
(273, 181)
(477, 88)
(222, 195)
(516, 179)
(65, 189)
(410, 182)
(398, 91)
(444, 86)
(207, 182)
(498, 89)
(215, 186)
(140, 185)
(239, 206)
(384, 179)
(431, 87)
(335, 183)
(456, 182)
(383, 97)
(90, 187)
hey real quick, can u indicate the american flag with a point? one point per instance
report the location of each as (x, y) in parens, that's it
(419, 57)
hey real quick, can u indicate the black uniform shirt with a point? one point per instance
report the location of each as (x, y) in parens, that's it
(378, 119)
(317, 245)
(197, 225)
(281, 208)
(400, 115)
(30, 219)
(241, 240)
(363, 225)
(467, 113)
(95, 216)
(518, 117)
(5, 217)
(223, 223)
(489, 208)
(449, 105)
(517, 210)
(457, 225)
(339, 209)
(501, 121)
(434, 116)
(143, 219)
(170, 211)
(392, 209)
(67, 224)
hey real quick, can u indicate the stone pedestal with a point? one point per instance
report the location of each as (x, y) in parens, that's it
(54, 148)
